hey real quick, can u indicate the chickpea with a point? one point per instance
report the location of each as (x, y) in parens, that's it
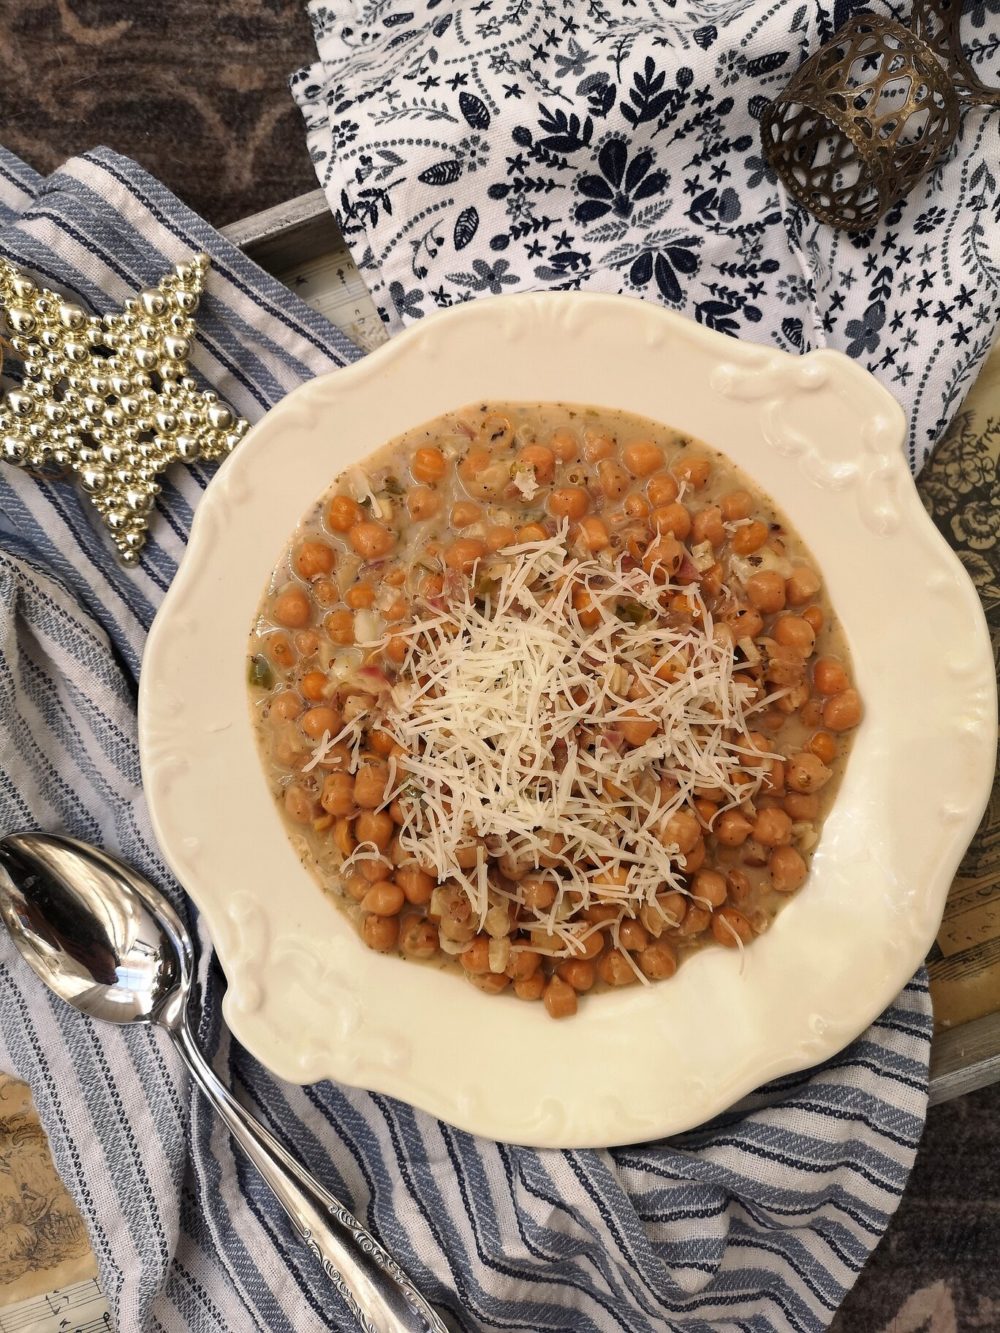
(794, 632)
(632, 935)
(464, 513)
(418, 938)
(802, 806)
(380, 932)
(658, 961)
(370, 784)
(642, 457)
(568, 502)
(540, 459)
(375, 871)
(829, 676)
(707, 526)
(360, 597)
(383, 898)
(498, 536)
(666, 552)
(299, 805)
(314, 559)
(738, 886)
(530, 988)
(662, 489)
(343, 513)
(325, 592)
(319, 720)
(291, 608)
(823, 746)
(374, 827)
(355, 886)
(747, 624)
(416, 884)
(750, 538)
(638, 730)
(343, 836)
(613, 478)
(708, 886)
(476, 958)
(594, 533)
(773, 828)
(338, 794)
(523, 963)
(736, 505)
(490, 982)
(463, 553)
(560, 999)
(766, 591)
(538, 894)
(843, 711)
(286, 705)
(695, 471)
(673, 519)
(339, 626)
(731, 928)
(802, 585)
(578, 973)
(614, 969)
(806, 772)
(474, 462)
(371, 540)
(732, 828)
(564, 444)
(428, 464)
(787, 869)
(696, 920)
(597, 446)
(531, 532)
(636, 506)
(813, 616)
(422, 503)
(682, 831)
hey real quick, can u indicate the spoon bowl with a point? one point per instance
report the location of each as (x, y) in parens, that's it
(106, 941)
(99, 935)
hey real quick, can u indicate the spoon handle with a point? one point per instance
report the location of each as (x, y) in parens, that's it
(380, 1295)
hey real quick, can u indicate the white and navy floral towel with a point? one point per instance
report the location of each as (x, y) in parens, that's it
(478, 146)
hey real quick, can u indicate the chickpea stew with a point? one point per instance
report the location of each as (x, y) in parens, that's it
(552, 696)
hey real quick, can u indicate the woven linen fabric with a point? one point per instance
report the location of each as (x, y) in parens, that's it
(758, 1222)
(486, 146)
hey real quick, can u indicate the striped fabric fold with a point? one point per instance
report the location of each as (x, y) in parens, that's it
(757, 1222)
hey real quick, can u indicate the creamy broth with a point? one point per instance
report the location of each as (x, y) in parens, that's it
(693, 697)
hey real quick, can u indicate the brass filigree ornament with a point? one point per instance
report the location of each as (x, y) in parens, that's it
(110, 399)
(871, 112)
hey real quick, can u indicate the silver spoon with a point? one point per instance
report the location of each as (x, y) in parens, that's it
(106, 941)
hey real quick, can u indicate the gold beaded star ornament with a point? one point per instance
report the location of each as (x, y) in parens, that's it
(109, 399)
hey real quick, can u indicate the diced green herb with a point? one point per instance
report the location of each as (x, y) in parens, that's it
(633, 612)
(259, 672)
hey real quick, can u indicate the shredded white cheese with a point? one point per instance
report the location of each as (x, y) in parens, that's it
(510, 711)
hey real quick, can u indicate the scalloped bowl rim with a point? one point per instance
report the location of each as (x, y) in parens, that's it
(307, 999)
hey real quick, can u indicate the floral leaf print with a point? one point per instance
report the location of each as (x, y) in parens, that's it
(564, 134)
(407, 303)
(706, 36)
(440, 26)
(600, 92)
(766, 64)
(486, 277)
(474, 111)
(713, 205)
(647, 96)
(442, 173)
(621, 183)
(864, 332)
(466, 226)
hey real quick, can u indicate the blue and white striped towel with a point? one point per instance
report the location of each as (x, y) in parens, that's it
(758, 1222)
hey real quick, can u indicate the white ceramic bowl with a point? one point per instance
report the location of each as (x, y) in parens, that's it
(310, 1001)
